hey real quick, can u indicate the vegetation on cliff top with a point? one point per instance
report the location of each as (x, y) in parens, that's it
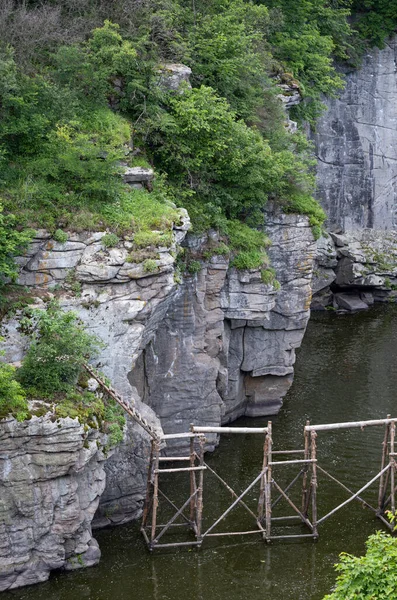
(52, 369)
(79, 98)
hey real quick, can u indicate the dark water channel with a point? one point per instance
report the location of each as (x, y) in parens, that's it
(346, 370)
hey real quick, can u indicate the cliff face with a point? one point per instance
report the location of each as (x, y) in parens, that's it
(219, 345)
(357, 185)
(356, 147)
(51, 478)
(226, 346)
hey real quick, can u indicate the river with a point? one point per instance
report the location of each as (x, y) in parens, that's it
(346, 370)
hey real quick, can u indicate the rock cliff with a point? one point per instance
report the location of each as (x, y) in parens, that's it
(356, 149)
(357, 186)
(51, 479)
(226, 346)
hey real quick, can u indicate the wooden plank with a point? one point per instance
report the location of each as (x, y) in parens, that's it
(228, 533)
(177, 436)
(180, 469)
(287, 537)
(293, 462)
(173, 458)
(175, 545)
(288, 452)
(198, 429)
(348, 425)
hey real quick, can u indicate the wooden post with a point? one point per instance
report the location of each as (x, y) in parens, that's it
(193, 485)
(261, 501)
(199, 511)
(268, 484)
(382, 485)
(148, 487)
(156, 452)
(305, 470)
(392, 467)
(313, 483)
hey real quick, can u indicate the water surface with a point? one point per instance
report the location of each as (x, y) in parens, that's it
(346, 370)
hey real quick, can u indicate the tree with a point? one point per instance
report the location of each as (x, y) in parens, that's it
(369, 577)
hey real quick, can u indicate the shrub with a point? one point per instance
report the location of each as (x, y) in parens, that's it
(58, 349)
(193, 267)
(150, 266)
(248, 259)
(60, 236)
(109, 240)
(143, 239)
(12, 243)
(12, 395)
(373, 575)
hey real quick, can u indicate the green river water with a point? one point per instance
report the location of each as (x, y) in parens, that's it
(346, 370)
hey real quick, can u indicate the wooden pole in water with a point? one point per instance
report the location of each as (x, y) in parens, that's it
(148, 488)
(305, 470)
(156, 452)
(193, 485)
(313, 483)
(199, 511)
(268, 484)
(382, 484)
(392, 467)
(261, 501)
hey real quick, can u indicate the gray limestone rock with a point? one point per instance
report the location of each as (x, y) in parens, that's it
(356, 149)
(350, 302)
(173, 75)
(51, 478)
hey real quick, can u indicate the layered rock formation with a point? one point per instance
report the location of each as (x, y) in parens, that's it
(51, 479)
(357, 186)
(356, 149)
(355, 269)
(226, 346)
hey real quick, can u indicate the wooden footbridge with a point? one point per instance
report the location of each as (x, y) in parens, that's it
(270, 491)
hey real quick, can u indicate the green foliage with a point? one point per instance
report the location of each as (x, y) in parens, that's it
(221, 166)
(373, 575)
(375, 20)
(248, 245)
(12, 395)
(12, 242)
(306, 205)
(57, 351)
(60, 236)
(227, 50)
(307, 35)
(150, 266)
(268, 275)
(193, 267)
(110, 240)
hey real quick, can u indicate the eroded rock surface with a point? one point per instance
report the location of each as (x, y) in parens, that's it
(356, 147)
(355, 269)
(226, 346)
(51, 479)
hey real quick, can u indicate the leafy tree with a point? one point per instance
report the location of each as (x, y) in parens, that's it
(210, 154)
(376, 20)
(12, 395)
(371, 576)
